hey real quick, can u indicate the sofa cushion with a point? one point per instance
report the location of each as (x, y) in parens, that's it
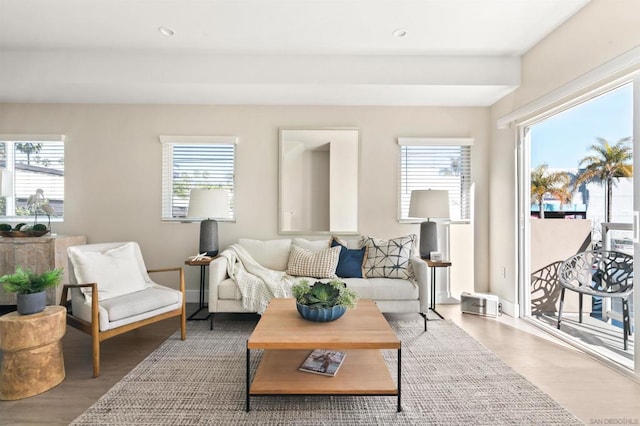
(365, 288)
(322, 264)
(383, 288)
(389, 258)
(311, 245)
(351, 261)
(116, 271)
(272, 254)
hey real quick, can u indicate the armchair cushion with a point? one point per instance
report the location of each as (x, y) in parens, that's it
(140, 302)
(128, 308)
(116, 270)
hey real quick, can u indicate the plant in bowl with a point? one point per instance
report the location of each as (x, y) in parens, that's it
(323, 301)
(31, 288)
(23, 230)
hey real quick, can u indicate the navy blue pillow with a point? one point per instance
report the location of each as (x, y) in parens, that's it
(350, 261)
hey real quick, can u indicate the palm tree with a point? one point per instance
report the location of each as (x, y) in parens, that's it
(29, 148)
(608, 162)
(545, 182)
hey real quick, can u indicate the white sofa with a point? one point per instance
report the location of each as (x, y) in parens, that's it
(391, 294)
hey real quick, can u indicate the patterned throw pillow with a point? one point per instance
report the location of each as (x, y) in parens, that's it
(321, 264)
(351, 262)
(389, 258)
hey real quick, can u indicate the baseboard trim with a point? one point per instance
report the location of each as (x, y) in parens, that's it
(510, 308)
(193, 296)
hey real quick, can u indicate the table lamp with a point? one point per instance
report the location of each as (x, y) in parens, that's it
(208, 204)
(429, 204)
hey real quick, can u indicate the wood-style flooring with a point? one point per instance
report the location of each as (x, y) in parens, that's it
(592, 391)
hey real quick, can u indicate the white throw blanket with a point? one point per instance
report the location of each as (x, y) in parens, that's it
(258, 285)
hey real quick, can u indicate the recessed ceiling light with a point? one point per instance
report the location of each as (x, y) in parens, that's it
(166, 31)
(399, 33)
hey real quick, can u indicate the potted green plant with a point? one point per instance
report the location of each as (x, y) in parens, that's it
(31, 288)
(323, 301)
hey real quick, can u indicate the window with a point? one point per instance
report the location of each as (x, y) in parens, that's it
(195, 162)
(437, 163)
(30, 163)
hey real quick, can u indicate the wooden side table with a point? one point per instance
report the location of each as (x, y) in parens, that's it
(201, 305)
(434, 264)
(32, 352)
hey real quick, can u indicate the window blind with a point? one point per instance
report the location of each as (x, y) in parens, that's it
(195, 164)
(442, 166)
(35, 164)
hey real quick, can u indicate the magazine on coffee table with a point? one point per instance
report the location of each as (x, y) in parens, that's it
(323, 361)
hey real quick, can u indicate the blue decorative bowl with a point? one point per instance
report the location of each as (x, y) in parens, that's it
(321, 314)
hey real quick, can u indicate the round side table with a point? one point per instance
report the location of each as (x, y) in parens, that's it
(31, 348)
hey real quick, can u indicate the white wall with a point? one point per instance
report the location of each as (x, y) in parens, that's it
(600, 32)
(113, 167)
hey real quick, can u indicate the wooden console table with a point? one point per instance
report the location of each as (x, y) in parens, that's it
(39, 254)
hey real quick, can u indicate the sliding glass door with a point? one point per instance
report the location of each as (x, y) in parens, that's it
(578, 192)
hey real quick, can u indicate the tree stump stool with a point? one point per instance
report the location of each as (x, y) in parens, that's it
(31, 347)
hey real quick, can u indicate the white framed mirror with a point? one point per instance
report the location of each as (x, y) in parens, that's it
(319, 181)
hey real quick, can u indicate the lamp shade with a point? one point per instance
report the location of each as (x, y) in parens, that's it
(429, 203)
(208, 204)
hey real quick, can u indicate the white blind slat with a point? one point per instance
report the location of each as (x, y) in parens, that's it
(203, 163)
(430, 166)
(35, 164)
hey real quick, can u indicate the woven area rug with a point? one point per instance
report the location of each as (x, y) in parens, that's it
(447, 378)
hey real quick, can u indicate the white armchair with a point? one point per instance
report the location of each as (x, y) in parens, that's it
(112, 293)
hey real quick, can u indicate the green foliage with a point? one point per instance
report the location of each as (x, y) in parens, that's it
(26, 281)
(5, 227)
(324, 295)
(545, 182)
(606, 164)
(22, 211)
(29, 148)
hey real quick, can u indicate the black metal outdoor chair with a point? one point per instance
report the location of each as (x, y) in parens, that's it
(599, 273)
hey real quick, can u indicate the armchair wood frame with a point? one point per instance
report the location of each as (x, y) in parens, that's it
(93, 328)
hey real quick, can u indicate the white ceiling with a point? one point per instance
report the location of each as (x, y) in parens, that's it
(314, 52)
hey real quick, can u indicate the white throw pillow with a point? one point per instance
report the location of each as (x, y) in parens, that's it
(116, 271)
(313, 246)
(272, 254)
(322, 264)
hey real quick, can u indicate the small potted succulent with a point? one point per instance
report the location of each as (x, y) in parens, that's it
(31, 288)
(323, 301)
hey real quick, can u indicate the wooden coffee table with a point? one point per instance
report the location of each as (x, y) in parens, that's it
(287, 339)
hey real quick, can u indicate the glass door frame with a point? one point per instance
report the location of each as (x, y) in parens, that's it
(523, 193)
